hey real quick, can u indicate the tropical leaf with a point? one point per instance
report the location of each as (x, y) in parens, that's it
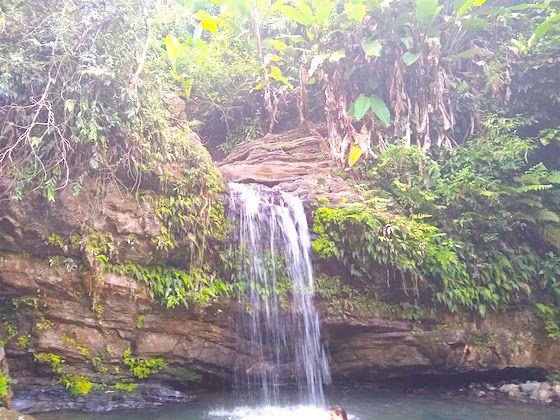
(337, 55)
(354, 154)
(278, 45)
(360, 107)
(356, 12)
(550, 234)
(173, 48)
(410, 58)
(538, 187)
(467, 5)
(380, 109)
(427, 10)
(553, 177)
(207, 21)
(304, 9)
(295, 15)
(541, 30)
(276, 74)
(372, 48)
(526, 6)
(323, 9)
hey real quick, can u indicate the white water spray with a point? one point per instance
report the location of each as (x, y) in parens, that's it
(282, 335)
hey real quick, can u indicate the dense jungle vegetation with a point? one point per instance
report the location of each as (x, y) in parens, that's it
(445, 115)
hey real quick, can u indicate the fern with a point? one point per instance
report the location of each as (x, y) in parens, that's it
(536, 187)
(547, 216)
(550, 234)
(531, 201)
(553, 177)
(533, 175)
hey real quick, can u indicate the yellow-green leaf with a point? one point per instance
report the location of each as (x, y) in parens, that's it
(278, 45)
(209, 25)
(207, 21)
(354, 154)
(173, 48)
(337, 55)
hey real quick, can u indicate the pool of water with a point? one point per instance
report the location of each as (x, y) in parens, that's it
(360, 404)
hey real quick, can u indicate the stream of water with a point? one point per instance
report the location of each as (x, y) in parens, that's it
(274, 245)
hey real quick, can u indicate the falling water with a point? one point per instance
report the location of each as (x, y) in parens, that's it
(281, 337)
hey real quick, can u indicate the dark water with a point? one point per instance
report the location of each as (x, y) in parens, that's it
(361, 405)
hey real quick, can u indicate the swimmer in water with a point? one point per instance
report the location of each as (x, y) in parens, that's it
(338, 413)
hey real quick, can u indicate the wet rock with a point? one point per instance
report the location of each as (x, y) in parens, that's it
(545, 386)
(6, 414)
(479, 393)
(542, 395)
(507, 388)
(529, 387)
(40, 398)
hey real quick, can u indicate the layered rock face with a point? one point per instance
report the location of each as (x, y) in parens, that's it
(296, 161)
(376, 348)
(55, 314)
(56, 302)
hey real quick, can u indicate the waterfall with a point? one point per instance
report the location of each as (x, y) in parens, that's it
(280, 332)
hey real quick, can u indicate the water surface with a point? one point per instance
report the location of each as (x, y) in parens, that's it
(361, 405)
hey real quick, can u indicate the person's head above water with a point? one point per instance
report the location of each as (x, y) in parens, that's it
(338, 413)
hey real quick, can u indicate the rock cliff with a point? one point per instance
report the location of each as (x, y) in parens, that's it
(73, 326)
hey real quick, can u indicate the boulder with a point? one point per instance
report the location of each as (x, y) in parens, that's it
(529, 387)
(507, 388)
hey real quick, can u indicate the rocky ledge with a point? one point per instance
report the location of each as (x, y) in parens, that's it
(296, 161)
(376, 349)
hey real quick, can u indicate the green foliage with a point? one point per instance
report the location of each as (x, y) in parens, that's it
(98, 309)
(55, 361)
(55, 240)
(217, 73)
(71, 112)
(471, 229)
(11, 332)
(346, 300)
(23, 341)
(174, 286)
(4, 382)
(142, 368)
(93, 242)
(129, 387)
(43, 325)
(77, 385)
